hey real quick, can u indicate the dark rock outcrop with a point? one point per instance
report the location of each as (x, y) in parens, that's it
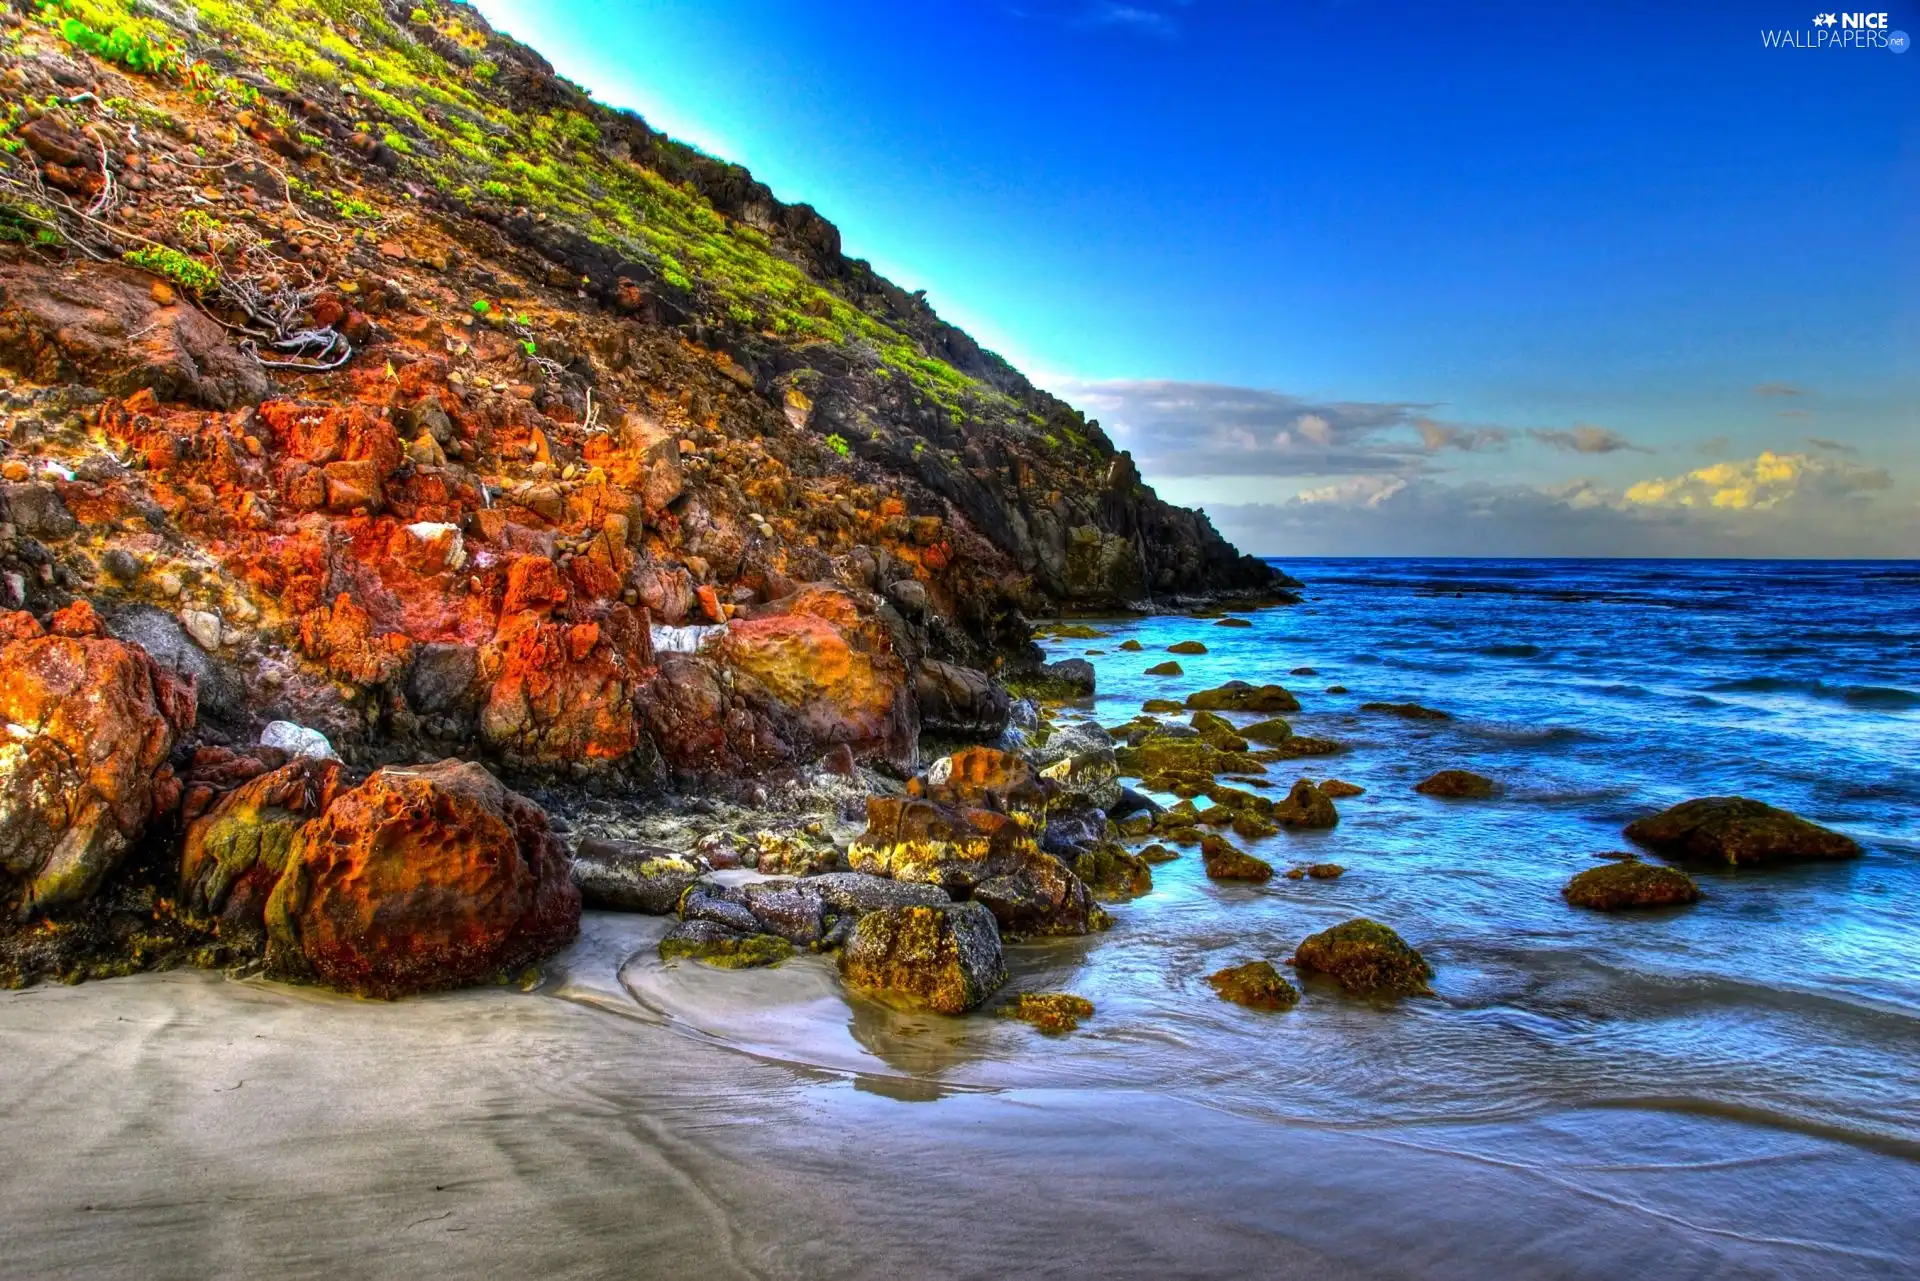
(1738, 832)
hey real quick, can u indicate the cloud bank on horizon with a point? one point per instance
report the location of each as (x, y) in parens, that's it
(1283, 474)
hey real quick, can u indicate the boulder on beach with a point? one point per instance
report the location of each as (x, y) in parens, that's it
(421, 878)
(1738, 832)
(724, 948)
(237, 851)
(1227, 862)
(1457, 785)
(945, 959)
(987, 778)
(1239, 696)
(1186, 647)
(1366, 958)
(1406, 711)
(1049, 1011)
(914, 839)
(1256, 985)
(1306, 806)
(1065, 681)
(1630, 883)
(1168, 668)
(83, 765)
(625, 876)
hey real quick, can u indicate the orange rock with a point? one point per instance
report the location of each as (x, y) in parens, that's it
(90, 724)
(78, 620)
(343, 639)
(423, 878)
(710, 603)
(237, 851)
(800, 671)
(561, 696)
(533, 583)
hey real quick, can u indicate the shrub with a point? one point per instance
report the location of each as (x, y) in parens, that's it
(838, 444)
(173, 266)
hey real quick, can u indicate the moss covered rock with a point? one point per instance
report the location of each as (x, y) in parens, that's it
(1367, 959)
(1339, 789)
(1227, 862)
(1186, 647)
(1168, 668)
(1630, 883)
(1113, 873)
(945, 959)
(1256, 985)
(1162, 705)
(1049, 1011)
(627, 877)
(1131, 646)
(1738, 832)
(1306, 806)
(1239, 696)
(1458, 785)
(727, 949)
(1272, 732)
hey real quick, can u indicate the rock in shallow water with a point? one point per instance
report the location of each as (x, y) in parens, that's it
(1738, 832)
(1367, 959)
(1458, 785)
(1256, 985)
(1630, 883)
(1049, 1011)
(1226, 862)
(945, 959)
(716, 945)
(1238, 696)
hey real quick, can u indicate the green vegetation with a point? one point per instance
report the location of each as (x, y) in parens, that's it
(838, 444)
(175, 267)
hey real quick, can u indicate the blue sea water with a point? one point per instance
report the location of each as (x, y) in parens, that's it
(1749, 1063)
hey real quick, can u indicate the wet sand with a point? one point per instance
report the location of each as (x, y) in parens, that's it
(183, 1125)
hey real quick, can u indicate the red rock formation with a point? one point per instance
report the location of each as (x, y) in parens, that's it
(422, 878)
(237, 851)
(88, 726)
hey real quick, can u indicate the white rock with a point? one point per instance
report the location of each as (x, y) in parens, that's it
(431, 532)
(682, 640)
(203, 626)
(297, 740)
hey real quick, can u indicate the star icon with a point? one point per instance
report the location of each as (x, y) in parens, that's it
(1825, 20)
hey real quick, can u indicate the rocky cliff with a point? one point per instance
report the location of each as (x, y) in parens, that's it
(373, 378)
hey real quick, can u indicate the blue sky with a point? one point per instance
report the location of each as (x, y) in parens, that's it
(1365, 277)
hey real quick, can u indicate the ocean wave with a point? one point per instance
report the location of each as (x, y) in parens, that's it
(1876, 696)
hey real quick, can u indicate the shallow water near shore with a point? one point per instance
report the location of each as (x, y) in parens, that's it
(1731, 1088)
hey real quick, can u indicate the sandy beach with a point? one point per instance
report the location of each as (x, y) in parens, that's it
(184, 1125)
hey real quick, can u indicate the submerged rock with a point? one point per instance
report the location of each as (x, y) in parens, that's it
(1227, 862)
(1131, 646)
(1238, 696)
(1367, 959)
(1630, 883)
(430, 877)
(1458, 785)
(1049, 1011)
(1186, 647)
(628, 877)
(727, 949)
(1738, 832)
(1168, 668)
(1406, 711)
(945, 959)
(1256, 985)
(1339, 789)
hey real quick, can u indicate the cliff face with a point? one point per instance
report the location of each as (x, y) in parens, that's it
(373, 376)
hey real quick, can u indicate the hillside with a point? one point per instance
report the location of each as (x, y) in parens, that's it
(376, 378)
